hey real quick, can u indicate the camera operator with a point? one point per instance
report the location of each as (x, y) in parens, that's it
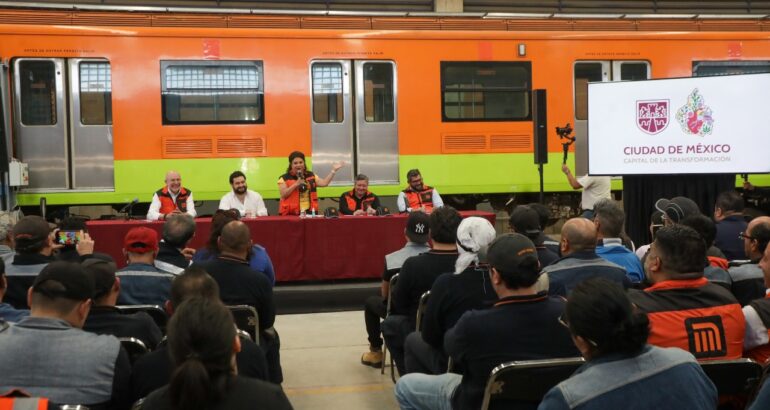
(756, 197)
(594, 190)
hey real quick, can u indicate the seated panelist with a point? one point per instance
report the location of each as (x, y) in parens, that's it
(298, 186)
(171, 199)
(418, 196)
(359, 201)
(248, 203)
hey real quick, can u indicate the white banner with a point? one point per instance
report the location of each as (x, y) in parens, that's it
(694, 125)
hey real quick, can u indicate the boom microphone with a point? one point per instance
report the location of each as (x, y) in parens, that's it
(129, 205)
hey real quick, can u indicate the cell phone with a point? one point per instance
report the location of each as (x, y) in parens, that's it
(67, 237)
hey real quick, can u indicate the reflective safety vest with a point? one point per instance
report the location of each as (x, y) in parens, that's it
(167, 204)
(760, 354)
(23, 403)
(291, 205)
(415, 199)
(366, 201)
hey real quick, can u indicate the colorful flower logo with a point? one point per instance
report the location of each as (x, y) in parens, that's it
(695, 116)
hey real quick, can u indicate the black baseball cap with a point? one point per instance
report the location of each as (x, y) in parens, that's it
(507, 253)
(103, 274)
(677, 208)
(30, 231)
(64, 280)
(418, 227)
(525, 220)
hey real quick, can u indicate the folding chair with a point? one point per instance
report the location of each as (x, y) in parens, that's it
(526, 381)
(738, 377)
(421, 309)
(393, 282)
(156, 312)
(247, 319)
(134, 347)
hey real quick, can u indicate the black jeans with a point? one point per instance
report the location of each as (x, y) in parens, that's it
(374, 310)
(395, 328)
(420, 357)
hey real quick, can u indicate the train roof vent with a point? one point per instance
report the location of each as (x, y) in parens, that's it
(111, 19)
(405, 24)
(351, 23)
(510, 142)
(240, 146)
(473, 25)
(605, 25)
(463, 143)
(264, 22)
(188, 20)
(35, 17)
(187, 147)
(711, 25)
(539, 25)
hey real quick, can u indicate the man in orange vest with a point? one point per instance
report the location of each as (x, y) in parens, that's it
(359, 201)
(171, 199)
(418, 197)
(757, 313)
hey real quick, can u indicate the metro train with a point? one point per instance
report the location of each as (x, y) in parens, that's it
(101, 103)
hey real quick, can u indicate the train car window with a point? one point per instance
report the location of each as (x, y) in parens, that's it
(709, 68)
(378, 92)
(327, 93)
(38, 92)
(486, 91)
(95, 93)
(585, 73)
(633, 71)
(212, 92)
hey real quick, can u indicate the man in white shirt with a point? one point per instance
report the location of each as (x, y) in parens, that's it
(246, 201)
(594, 190)
(171, 199)
(418, 196)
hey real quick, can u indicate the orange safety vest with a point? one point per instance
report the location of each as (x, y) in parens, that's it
(290, 205)
(366, 201)
(760, 354)
(23, 403)
(415, 199)
(718, 262)
(167, 204)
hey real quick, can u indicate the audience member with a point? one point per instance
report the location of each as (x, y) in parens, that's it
(154, 369)
(579, 260)
(417, 276)
(609, 220)
(48, 355)
(105, 319)
(6, 241)
(241, 285)
(715, 267)
(623, 371)
(544, 215)
(452, 294)
(140, 281)
(676, 209)
(522, 325)
(8, 312)
(656, 222)
(748, 282)
(684, 308)
(757, 314)
(202, 344)
(259, 260)
(375, 308)
(728, 214)
(173, 254)
(526, 221)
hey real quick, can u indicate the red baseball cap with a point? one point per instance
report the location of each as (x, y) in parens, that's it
(141, 240)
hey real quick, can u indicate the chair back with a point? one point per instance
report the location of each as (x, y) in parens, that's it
(733, 377)
(421, 310)
(526, 382)
(134, 347)
(156, 312)
(393, 283)
(247, 319)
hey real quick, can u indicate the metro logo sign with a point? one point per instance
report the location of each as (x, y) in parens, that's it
(652, 115)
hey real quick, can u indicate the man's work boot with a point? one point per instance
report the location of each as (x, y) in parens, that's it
(373, 357)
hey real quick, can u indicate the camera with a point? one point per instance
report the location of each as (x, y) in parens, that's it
(564, 131)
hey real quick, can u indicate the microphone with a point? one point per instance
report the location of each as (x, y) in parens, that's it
(129, 205)
(302, 186)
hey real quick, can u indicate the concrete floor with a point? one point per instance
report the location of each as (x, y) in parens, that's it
(320, 356)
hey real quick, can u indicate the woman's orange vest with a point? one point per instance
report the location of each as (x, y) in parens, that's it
(415, 199)
(290, 205)
(167, 204)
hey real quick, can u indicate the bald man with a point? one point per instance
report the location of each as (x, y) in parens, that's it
(171, 199)
(579, 259)
(756, 343)
(747, 277)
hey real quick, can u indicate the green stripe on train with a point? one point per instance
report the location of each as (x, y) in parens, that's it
(450, 174)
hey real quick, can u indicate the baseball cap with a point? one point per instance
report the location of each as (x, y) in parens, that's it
(64, 280)
(30, 231)
(103, 274)
(509, 252)
(418, 227)
(141, 240)
(525, 220)
(677, 208)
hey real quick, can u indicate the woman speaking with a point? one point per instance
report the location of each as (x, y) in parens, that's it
(298, 186)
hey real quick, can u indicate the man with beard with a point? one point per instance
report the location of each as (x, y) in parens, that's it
(246, 201)
(417, 196)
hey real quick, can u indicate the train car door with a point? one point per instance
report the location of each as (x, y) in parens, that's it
(597, 71)
(354, 119)
(63, 123)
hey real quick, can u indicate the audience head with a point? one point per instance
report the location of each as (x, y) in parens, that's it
(235, 239)
(141, 245)
(609, 219)
(221, 218)
(73, 223)
(756, 237)
(676, 209)
(603, 321)
(444, 221)
(728, 203)
(238, 182)
(526, 221)
(62, 290)
(6, 232)
(31, 235)
(173, 181)
(764, 264)
(513, 262)
(705, 227)
(578, 235)
(193, 282)
(417, 227)
(202, 342)
(542, 212)
(178, 230)
(678, 252)
(296, 163)
(414, 178)
(473, 235)
(656, 222)
(106, 284)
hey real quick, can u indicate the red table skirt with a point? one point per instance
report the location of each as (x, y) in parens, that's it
(350, 247)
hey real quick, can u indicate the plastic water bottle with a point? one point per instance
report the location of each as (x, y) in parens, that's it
(302, 214)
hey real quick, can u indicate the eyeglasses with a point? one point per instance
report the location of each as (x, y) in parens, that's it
(743, 235)
(563, 321)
